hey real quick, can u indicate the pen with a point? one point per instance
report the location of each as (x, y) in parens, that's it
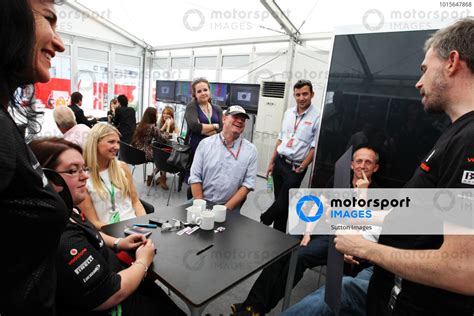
(201, 251)
(146, 225)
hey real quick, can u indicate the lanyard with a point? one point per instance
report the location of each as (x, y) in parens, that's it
(229, 150)
(116, 310)
(112, 195)
(297, 123)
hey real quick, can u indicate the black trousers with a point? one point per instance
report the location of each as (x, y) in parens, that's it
(284, 179)
(150, 299)
(270, 285)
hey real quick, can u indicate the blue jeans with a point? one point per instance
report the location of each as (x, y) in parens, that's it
(353, 298)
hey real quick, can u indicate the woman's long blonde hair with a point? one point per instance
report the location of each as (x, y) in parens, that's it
(116, 173)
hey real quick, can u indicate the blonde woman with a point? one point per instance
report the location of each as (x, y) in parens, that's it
(112, 196)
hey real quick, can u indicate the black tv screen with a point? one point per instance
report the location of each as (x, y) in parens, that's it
(245, 95)
(183, 92)
(219, 93)
(165, 90)
(371, 99)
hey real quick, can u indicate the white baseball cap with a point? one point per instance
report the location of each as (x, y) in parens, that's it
(236, 109)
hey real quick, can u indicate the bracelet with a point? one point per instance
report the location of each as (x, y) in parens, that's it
(144, 265)
(115, 246)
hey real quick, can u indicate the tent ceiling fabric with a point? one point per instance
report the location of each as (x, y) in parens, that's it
(183, 21)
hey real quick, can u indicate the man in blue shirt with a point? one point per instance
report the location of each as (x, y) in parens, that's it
(293, 153)
(225, 165)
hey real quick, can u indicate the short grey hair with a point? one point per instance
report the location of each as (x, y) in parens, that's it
(64, 117)
(459, 37)
(377, 156)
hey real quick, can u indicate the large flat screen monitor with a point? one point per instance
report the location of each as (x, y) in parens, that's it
(219, 94)
(165, 90)
(245, 95)
(371, 100)
(183, 93)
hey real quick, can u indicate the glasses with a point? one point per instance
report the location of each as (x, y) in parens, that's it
(76, 171)
(367, 162)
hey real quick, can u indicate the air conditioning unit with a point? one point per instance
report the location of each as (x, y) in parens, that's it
(271, 107)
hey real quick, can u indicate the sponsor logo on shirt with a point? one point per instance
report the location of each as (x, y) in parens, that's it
(431, 155)
(83, 251)
(425, 167)
(84, 265)
(101, 242)
(73, 252)
(470, 159)
(308, 122)
(45, 181)
(468, 177)
(87, 278)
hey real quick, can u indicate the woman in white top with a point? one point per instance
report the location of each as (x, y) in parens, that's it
(112, 196)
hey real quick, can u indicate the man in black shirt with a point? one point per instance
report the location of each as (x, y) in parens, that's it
(432, 275)
(125, 119)
(76, 103)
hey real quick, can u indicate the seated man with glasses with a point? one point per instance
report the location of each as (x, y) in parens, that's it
(270, 285)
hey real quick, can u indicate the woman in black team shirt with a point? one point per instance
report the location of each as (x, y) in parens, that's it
(91, 281)
(32, 214)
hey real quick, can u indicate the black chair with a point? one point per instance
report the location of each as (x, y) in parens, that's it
(160, 158)
(148, 207)
(132, 156)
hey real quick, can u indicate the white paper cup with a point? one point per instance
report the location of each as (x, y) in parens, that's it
(193, 215)
(200, 203)
(220, 211)
(207, 220)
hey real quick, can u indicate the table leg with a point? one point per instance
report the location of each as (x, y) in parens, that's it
(290, 278)
(196, 311)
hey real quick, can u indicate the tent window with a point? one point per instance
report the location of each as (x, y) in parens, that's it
(209, 62)
(180, 63)
(93, 54)
(237, 61)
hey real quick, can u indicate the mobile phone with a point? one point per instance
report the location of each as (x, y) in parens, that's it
(137, 230)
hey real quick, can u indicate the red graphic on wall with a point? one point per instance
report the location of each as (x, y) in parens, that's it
(46, 91)
(127, 90)
(57, 92)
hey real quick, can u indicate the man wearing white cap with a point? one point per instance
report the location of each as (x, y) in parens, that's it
(224, 168)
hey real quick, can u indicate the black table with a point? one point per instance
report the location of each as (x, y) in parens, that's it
(242, 249)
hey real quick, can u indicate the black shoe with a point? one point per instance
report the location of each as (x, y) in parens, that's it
(241, 310)
(237, 307)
